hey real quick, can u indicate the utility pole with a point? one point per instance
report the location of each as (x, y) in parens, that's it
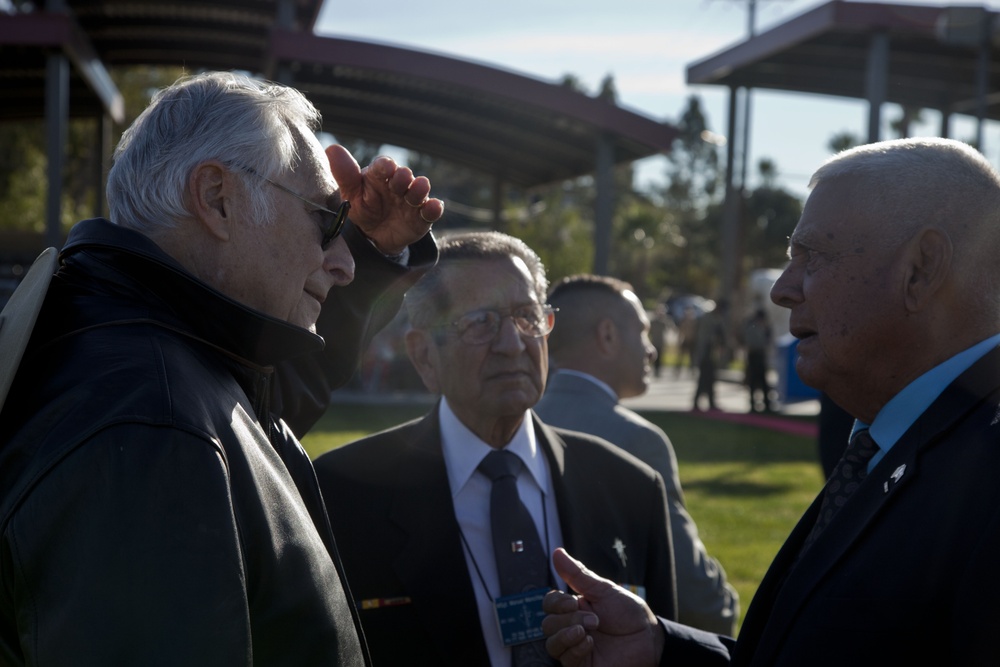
(745, 150)
(732, 232)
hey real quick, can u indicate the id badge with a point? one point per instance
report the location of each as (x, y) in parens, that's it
(520, 616)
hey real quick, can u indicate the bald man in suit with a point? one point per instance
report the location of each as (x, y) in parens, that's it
(894, 293)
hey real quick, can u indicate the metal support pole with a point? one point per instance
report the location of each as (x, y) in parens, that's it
(103, 152)
(747, 97)
(498, 186)
(945, 130)
(877, 81)
(745, 137)
(604, 205)
(983, 74)
(731, 211)
(56, 121)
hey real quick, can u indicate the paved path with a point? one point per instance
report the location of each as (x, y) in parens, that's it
(670, 392)
(676, 394)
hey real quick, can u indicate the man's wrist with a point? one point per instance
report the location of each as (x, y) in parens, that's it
(659, 641)
(402, 257)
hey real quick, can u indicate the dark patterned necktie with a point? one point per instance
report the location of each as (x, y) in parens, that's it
(521, 561)
(846, 478)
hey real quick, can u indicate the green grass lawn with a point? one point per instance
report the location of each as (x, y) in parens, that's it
(745, 487)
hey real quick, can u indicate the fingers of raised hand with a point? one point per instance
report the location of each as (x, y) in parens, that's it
(431, 210)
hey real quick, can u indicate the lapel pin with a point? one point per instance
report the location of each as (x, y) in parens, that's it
(619, 548)
(896, 475)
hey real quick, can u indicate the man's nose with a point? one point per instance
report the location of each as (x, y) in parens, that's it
(787, 289)
(509, 338)
(339, 262)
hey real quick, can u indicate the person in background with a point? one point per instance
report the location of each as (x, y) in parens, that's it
(894, 293)
(709, 344)
(659, 323)
(686, 329)
(429, 544)
(757, 340)
(155, 506)
(600, 353)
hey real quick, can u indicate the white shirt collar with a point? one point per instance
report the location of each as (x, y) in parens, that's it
(464, 450)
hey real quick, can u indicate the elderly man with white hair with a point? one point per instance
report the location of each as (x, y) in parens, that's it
(155, 507)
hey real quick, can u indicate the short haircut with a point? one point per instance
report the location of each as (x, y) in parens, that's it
(904, 185)
(428, 300)
(583, 300)
(229, 117)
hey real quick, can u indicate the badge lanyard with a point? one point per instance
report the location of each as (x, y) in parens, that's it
(518, 616)
(475, 564)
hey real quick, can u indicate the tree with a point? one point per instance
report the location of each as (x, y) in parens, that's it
(768, 170)
(842, 141)
(608, 91)
(691, 198)
(23, 177)
(907, 116)
(558, 229)
(771, 214)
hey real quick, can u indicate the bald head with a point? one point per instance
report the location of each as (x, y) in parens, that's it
(893, 267)
(905, 185)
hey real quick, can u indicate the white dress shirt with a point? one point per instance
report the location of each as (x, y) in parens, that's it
(470, 492)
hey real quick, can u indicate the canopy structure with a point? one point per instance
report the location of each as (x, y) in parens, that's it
(917, 56)
(522, 130)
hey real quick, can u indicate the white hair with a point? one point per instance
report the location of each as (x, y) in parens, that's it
(242, 122)
(428, 300)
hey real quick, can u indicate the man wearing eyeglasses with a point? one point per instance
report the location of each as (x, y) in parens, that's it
(155, 506)
(423, 543)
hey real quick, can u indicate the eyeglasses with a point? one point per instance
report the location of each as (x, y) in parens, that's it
(331, 222)
(481, 326)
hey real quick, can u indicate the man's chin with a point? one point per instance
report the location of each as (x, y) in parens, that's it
(515, 403)
(808, 374)
(306, 314)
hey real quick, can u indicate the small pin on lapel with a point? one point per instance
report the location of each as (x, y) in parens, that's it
(619, 548)
(896, 475)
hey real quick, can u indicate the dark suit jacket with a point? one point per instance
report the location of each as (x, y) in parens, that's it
(392, 514)
(906, 573)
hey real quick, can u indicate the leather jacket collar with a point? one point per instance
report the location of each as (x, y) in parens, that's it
(131, 278)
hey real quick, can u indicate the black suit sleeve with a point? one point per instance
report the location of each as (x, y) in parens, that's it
(694, 648)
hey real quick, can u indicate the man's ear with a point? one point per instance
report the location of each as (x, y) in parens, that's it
(607, 336)
(210, 192)
(422, 350)
(928, 266)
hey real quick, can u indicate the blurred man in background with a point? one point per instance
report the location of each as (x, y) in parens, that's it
(600, 353)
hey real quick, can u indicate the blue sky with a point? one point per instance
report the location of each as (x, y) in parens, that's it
(647, 46)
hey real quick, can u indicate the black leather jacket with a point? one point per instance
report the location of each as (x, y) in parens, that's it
(153, 510)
